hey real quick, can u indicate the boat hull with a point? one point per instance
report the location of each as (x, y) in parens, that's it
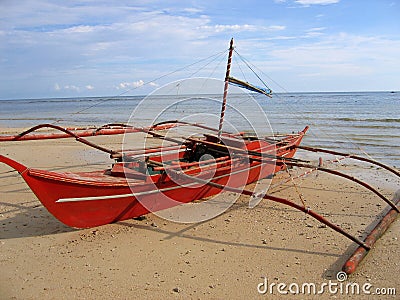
(90, 205)
(83, 200)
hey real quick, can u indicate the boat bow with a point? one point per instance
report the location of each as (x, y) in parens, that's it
(13, 164)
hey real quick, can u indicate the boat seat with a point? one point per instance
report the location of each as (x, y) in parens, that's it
(227, 141)
(119, 170)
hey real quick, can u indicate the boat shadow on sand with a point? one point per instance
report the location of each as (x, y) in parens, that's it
(28, 219)
(328, 273)
(24, 215)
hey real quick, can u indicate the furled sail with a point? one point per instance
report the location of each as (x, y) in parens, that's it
(250, 87)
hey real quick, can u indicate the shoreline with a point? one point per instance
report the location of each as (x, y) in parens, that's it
(347, 121)
(226, 256)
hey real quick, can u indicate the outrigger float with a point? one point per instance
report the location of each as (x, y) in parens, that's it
(152, 179)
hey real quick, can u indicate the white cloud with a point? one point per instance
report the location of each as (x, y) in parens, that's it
(315, 32)
(338, 62)
(240, 28)
(276, 27)
(80, 29)
(72, 88)
(221, 28)
(279, 38)
(314, 2)
(138, 83)
(123, 85)
(130, 85)
(192, 10)
(134, 85)
(316, 29)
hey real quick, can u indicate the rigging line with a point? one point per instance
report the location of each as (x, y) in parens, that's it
(285, 90)
(325, 132)
(222, 59)
(240, 68)
(344, 136)
(316, 127)
(220, 56)
(301, 196)
(250, 96)
(249, 66)
(146, 83)
(263, 73)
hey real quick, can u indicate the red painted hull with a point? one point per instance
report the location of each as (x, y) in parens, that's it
(95, 198)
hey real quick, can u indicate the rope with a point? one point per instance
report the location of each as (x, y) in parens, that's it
(240, 68)
(301, 197)
(248, 65)
(220, 56)
(301, 114)
(146, 83)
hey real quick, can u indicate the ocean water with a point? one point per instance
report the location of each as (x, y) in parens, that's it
(366, 123)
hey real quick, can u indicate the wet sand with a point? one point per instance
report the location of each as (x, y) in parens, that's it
(225, 257)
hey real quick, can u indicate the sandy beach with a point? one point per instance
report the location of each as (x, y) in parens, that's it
(229, 256)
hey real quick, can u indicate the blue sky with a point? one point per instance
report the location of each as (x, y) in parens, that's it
(101, 48)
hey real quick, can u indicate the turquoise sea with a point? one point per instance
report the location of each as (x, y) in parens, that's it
(365, 123)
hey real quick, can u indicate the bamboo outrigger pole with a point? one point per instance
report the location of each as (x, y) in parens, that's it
(348, 155)
(226, 85)
(358, 255)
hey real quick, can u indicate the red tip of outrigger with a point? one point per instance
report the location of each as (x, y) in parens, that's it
(358, 255)
(305, 129)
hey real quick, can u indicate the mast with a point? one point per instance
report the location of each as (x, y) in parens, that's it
(228, 71)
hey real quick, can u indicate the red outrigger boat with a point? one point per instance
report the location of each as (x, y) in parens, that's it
(152, 179)
(144, 183)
